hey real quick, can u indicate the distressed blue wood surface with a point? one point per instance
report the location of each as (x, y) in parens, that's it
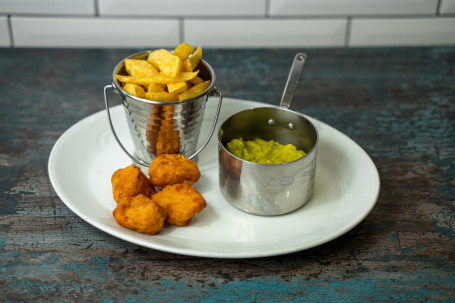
(397, 103)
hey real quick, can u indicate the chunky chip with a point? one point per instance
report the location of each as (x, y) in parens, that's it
(162, 96)
(183, 51)
(134, 89)
(196, 80)
(140, 68)
(193, 61)
(168, 63)
(155, 87)
(195, 90)
(177, 87)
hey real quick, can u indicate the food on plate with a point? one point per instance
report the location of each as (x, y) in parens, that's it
(181, 202)
(175, 73)
(169, 169)
(183, 51)
(141, 208)
(166, 62)
(264, 152)
(134, 89)
(191, 63)
(129, 182)
(194, 91)
(140, 68)
(141, 214)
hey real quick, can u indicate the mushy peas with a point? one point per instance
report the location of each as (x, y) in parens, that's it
(264, 152)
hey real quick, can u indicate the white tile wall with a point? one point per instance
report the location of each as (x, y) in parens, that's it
(48, 7)
(4, 32)
(226, 23)
(447, 7)
(351, 7)
(386, 32)
(183, 8)
(263, 33)
(100, 32)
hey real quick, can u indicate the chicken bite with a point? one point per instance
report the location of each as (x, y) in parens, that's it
(129, 182)
(140, 214)
(168, 169)
(181, 202)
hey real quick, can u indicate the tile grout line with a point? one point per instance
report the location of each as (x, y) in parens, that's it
(438, 7)
(10, 31)
(182, 30)
(97, 8)
(347, 38)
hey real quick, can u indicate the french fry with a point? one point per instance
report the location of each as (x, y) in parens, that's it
(154, 87)
(165, 62)
(194, 91)
(177, 87)
(162, 96)
(183, 51)
(140, 68)
(134, 89)
(196, 80)
(191, 63)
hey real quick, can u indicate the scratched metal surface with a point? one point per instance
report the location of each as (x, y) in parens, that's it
(397, 103)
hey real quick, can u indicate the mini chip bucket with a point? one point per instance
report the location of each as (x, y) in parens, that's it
(163, 127)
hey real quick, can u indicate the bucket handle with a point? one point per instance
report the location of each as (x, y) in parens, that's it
(141, 162)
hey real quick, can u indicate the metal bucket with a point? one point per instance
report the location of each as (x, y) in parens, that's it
(163, 127)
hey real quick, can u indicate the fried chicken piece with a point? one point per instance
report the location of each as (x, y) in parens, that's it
(129, 182)
(181, 202)
(173, 169)
(140, 214)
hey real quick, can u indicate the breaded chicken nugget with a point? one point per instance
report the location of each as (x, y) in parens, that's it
(181, 202)
(129, 182)
(140, 214)
(173, 169)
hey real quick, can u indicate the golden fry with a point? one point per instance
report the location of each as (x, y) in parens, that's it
(140, 68)
(181, 202)
(129, 182)
(196, 80)
(194, 91)
(161, 96)
(168, 169)
(166, 62)
(154, 87)
(183, 51)
(193, 61)
(177, 87)
(140, 214)
(134, 89)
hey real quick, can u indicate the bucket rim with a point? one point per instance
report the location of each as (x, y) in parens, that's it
(117, 85)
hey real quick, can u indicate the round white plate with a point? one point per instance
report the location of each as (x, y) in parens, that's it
(84, 158)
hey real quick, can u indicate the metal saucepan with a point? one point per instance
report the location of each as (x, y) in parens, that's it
(269, 189)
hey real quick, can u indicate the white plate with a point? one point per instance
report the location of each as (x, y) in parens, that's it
(84, 158)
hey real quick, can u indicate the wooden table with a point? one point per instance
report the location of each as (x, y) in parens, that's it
(398, 104)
